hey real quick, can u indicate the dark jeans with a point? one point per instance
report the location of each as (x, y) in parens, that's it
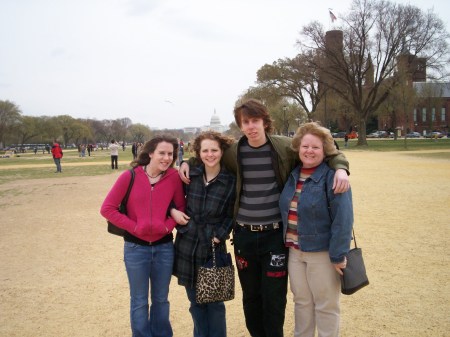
(149, 269)
(114, 162)
(261, 260)
(209, 319)
(58, 164)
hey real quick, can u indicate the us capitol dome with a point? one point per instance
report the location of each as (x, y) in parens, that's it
(215, 124)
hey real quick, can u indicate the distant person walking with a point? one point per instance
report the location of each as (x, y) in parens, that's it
(180, 151)
(134, 150)
(57, 155)
(114, 148)
(346, 141)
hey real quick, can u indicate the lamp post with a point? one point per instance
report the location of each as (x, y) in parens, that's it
(284, 120)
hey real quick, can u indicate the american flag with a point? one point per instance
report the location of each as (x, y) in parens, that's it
(332, 16)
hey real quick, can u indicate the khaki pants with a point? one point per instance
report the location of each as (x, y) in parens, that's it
(316, 288)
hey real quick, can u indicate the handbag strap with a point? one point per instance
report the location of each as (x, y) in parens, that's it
(125, 198)
(213, 248)
(329, 211)
(354, 238)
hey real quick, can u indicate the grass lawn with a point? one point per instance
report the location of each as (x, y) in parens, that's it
(411, 144)
(37, 166)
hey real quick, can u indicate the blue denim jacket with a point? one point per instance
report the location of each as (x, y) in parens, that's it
(320, 228)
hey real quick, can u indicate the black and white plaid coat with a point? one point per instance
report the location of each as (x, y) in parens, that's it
(211, 215)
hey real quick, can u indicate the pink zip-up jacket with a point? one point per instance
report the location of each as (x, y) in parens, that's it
(147, 206)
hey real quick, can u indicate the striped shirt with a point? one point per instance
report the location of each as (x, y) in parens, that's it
(260, 191)
(292, 230)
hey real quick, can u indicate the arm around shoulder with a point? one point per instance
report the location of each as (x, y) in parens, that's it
(339, 161)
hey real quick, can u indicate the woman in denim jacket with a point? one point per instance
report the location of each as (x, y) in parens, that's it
(318, 230)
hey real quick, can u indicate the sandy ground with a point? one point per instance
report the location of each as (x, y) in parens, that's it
(62, 274)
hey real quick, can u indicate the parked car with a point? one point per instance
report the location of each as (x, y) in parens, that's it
(378, 134)
(339, 134)
(434, 134)
(375, 134)
(413, 135)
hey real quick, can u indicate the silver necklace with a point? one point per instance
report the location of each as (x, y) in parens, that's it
(207, 182)
(151, 177)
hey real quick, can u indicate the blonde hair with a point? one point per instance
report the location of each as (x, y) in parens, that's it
(314, 128)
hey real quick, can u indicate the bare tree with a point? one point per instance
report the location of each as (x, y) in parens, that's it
(119, 128)
(101, 131)
(294, 78)
(406, 100)
(286, 113)
(139, 133)
(375, 34)
(9, 118)
(234, 130)
(29, 128)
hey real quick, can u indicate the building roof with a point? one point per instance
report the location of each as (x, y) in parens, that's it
(432, 89)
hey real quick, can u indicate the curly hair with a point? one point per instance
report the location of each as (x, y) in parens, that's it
(223, 141)
(254, 109)
(150, 147)
(314, 128)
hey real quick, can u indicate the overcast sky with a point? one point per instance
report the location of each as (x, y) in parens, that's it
(162, 63)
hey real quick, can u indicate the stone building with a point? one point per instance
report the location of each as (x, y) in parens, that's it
(431, 112)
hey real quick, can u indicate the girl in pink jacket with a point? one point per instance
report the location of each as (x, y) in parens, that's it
(148, 248)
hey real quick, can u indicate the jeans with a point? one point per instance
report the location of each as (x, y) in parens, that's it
(58, 164)
(114, 162)
(209, 319)
(261, 260)
(149, 267)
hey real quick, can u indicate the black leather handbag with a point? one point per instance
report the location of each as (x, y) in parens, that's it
(355, 276)
(113, 229)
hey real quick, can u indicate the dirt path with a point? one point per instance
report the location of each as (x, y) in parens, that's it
(63, 274)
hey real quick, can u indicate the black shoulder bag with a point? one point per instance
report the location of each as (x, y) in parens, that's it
(113, 229)
(355, 276)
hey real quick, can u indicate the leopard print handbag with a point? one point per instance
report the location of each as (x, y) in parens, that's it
(215, 284)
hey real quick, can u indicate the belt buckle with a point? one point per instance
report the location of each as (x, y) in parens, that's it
(255, 228)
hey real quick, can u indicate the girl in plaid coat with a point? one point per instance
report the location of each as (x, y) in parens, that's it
(209, 208)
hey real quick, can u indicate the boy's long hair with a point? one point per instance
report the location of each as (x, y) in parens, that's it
(254, 109)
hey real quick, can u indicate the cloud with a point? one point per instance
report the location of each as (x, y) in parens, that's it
(142, 7)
